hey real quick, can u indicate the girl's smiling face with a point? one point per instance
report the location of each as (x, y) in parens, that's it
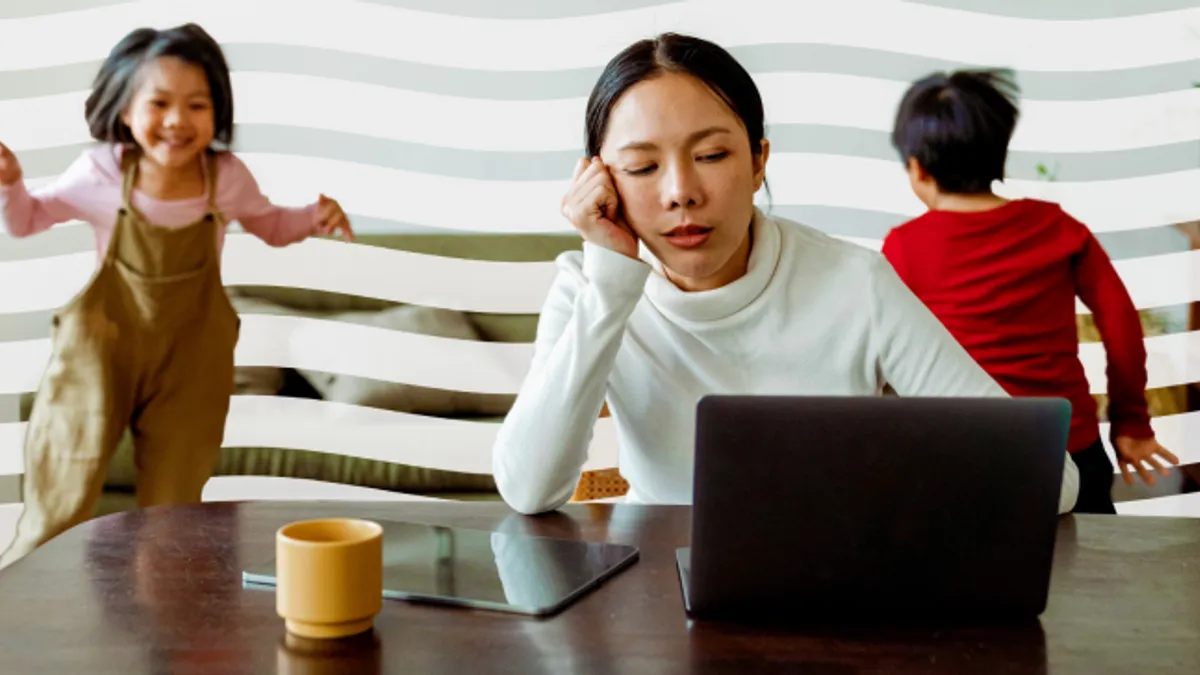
(171, 112)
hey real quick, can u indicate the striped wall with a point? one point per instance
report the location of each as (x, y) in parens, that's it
(464, 117)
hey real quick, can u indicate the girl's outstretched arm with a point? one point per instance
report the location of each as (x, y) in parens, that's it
(23, 213)
(244, 202)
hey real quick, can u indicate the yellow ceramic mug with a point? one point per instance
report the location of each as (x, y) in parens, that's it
(329, 576)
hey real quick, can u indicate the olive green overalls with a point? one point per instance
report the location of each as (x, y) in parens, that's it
(147, 345)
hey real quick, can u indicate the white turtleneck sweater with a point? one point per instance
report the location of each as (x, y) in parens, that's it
(813, 315)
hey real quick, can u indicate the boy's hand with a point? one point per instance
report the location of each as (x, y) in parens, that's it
(331, 218)
(10, 168)
(1142, 454)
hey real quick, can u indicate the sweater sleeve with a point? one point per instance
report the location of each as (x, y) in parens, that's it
(24, 213)
(918, 356)
(244, 202)
(542, 444)
(1120, 328)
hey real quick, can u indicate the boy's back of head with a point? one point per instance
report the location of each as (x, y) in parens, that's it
(957, 126)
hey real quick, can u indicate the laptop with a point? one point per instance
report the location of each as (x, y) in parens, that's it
(873, 508)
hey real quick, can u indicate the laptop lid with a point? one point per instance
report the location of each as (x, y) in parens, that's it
(868, 506)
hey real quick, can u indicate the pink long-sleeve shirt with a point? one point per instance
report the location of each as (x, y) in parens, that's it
(90, 190)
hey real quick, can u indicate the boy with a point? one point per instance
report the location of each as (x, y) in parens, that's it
(1003, 275)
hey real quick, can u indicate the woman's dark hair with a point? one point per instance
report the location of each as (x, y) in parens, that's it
(674, 53)
(113, 88)
(958, 126)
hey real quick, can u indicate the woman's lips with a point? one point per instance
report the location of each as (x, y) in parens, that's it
(688, 236)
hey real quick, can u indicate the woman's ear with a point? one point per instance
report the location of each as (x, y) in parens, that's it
(760, 165)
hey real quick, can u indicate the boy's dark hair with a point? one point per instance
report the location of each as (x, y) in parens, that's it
(113, 88)
(674, 53)
(958, 126)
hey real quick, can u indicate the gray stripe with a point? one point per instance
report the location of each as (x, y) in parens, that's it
(1037, 85)
(10, 489)
(10, 408)
(24, 326)
(1063, 9)
(577, 83)
(539, 166)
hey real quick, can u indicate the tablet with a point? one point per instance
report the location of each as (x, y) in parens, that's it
(507, 572)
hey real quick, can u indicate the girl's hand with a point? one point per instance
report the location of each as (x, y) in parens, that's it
(331, 218)
(594, 208)
(1142, 454)
(10, 168)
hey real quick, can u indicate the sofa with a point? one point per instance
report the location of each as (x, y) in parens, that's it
(118, 491)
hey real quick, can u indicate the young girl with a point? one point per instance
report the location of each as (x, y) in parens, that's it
(149, 343)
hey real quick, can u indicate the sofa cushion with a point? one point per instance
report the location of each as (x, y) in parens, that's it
(403, 397)
(262, 380)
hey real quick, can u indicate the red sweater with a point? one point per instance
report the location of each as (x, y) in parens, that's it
(1004, 283)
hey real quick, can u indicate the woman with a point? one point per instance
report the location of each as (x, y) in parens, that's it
(684, 288)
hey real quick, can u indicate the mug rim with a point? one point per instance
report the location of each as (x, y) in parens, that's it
(361, 530)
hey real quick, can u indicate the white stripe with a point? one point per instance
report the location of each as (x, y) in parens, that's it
(387, 274)
(46, 283)
(1171, 360)
(468, 285)
(484, 367)
(317, 264)
(1159, 281)
(12, 448)
(506, 44)
(282, 488)
(22, 364)
(353, 431)
(556, 125)
(1174, 506)
(333, 347)
(382, 354)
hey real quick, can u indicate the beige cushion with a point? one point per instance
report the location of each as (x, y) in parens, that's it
(405, 397)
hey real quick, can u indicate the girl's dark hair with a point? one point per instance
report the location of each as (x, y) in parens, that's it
(674, 53)
(958, 126)
(113, 88)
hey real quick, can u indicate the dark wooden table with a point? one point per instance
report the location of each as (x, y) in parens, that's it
(159, 591)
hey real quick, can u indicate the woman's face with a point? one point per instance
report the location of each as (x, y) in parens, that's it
(681, 163)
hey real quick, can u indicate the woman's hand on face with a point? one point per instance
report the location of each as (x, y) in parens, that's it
(593, 207)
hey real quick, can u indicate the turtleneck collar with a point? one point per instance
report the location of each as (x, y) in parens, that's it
(719, 303)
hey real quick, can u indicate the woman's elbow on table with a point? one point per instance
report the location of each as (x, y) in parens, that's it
(523, 493)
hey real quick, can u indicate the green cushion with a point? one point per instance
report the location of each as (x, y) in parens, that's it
(332, 468)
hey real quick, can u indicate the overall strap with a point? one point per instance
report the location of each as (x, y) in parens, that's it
(129, 167)
(208, 163)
